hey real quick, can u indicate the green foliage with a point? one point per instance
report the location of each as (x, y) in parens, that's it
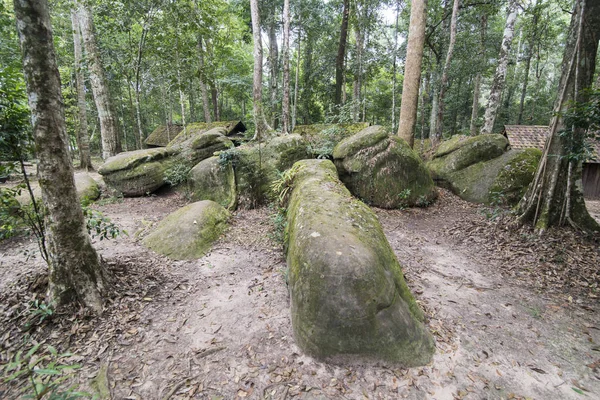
(177, 174)
(100, 226)
(404, 196)
(42, 374)
(227, 157)
(279, 221)
(38, 312)
(583, 118)
(326, 141)
(282, 187)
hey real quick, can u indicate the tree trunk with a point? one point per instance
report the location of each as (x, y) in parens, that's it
(394, 68)
(441, 108)
(285, 106)
(259, 117)
(494, 100)
(341, 55)
(274, 72)
(203, 88)
(83, 141)
(555, 196)
(357, 84)
(76, 273)
(477, 84)
(297, 79)
(532, 40)
(412, 71)
(109, 131)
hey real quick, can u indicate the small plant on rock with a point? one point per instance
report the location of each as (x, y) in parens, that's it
(177, 174)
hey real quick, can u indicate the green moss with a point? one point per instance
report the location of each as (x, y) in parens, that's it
(198, 128)
(87, 188)
(512, 181)
(132, 159)
(382, 170)
(143, 179)
(162, 136)
(209, 180)
(324, 137)
(348, 293)
(461, 151)
(189, 232)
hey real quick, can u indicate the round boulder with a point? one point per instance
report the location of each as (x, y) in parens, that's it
(212, 179)
(382, 170)
(189, 232)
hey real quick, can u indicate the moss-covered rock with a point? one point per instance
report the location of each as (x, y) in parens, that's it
(136, 173)
(257, 166)
(87, 190)
(502, 180)
(189, 232)
(382, 170)
(348, 294)
(514, 178)
(213, 180)
(324, 137)
(163, 134)
(228, 128)
(462, 151)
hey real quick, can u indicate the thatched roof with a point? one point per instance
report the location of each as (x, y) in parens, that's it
(162, 136)
(534, 136)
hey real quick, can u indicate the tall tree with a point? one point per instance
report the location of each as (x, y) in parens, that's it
(412, 71)
(340, 60)
(259, 116)
(111, 142)
(500, 76)
(202, 75)
(532, 40)
(555, 196)
(477, 83)
(83, 141)
(285, 106)
(76, 273)
(444, 83)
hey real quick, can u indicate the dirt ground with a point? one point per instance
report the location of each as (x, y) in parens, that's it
(514, 316)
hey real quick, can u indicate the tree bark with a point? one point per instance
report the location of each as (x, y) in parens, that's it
(109, 131)
(259, 117)
(297, 79)
(83, 141)
(412, 71)
(203, 88)
(76, 273)
(357, 84)
(285, 106)
(532, 40)
(394, 67)
(498, 84)
(341, 55)
(274, 72)
(444, 84)
(555, 196)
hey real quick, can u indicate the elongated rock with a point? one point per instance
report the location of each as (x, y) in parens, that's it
(348, 294)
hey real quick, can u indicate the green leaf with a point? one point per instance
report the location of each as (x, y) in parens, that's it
(577, 390)
(46, 371)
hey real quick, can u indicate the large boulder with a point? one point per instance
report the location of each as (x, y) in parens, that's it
(257, 166)
(461, 151)
(189, 232)
(163, 135)
(480, 170)
(382, 170)
(348, 294)
(136, 173)
(322, 138)
(213, 180)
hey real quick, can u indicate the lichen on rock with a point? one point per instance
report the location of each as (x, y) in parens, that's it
(382, 170)
(348, 294)
(189, 232)
(213, 180)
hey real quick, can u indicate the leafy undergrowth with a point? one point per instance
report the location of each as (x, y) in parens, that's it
(561, 261)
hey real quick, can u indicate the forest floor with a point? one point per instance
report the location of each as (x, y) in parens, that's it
(514, 316)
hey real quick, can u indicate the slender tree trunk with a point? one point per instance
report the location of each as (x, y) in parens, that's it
(412, 71)
(357, 84)
(203, 88)
(341, 55)
(555, 196)
(297, 79)
(109, 131)
(498, 84)
(444, 84)
(285, 107)
(394, 68)
(274, 73)
(83, 141)
(76, 273)
(259, 117)
(477, 85)
(532, 40)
